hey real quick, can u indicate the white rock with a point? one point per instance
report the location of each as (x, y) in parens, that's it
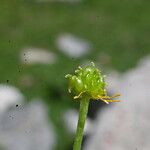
(72, 46)
(125, 125)
(37, 56)
(9, 96)
(27, 128)
(71, 120)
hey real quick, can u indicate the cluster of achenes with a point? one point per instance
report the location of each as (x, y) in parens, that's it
(89, 82)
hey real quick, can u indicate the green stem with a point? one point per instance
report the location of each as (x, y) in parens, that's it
(84, 104)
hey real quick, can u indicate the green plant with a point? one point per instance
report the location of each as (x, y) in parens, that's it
(87, 83)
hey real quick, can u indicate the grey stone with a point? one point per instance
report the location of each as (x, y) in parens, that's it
(26, 127)
(37, 56)
(72, 45)
(125, 125)
(71, 120)
(9, 96)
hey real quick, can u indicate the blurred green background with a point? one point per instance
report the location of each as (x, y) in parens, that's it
(118, 30)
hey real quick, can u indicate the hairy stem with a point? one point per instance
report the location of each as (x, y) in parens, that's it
(84, 104)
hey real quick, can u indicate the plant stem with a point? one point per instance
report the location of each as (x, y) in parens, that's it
(84, 104)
